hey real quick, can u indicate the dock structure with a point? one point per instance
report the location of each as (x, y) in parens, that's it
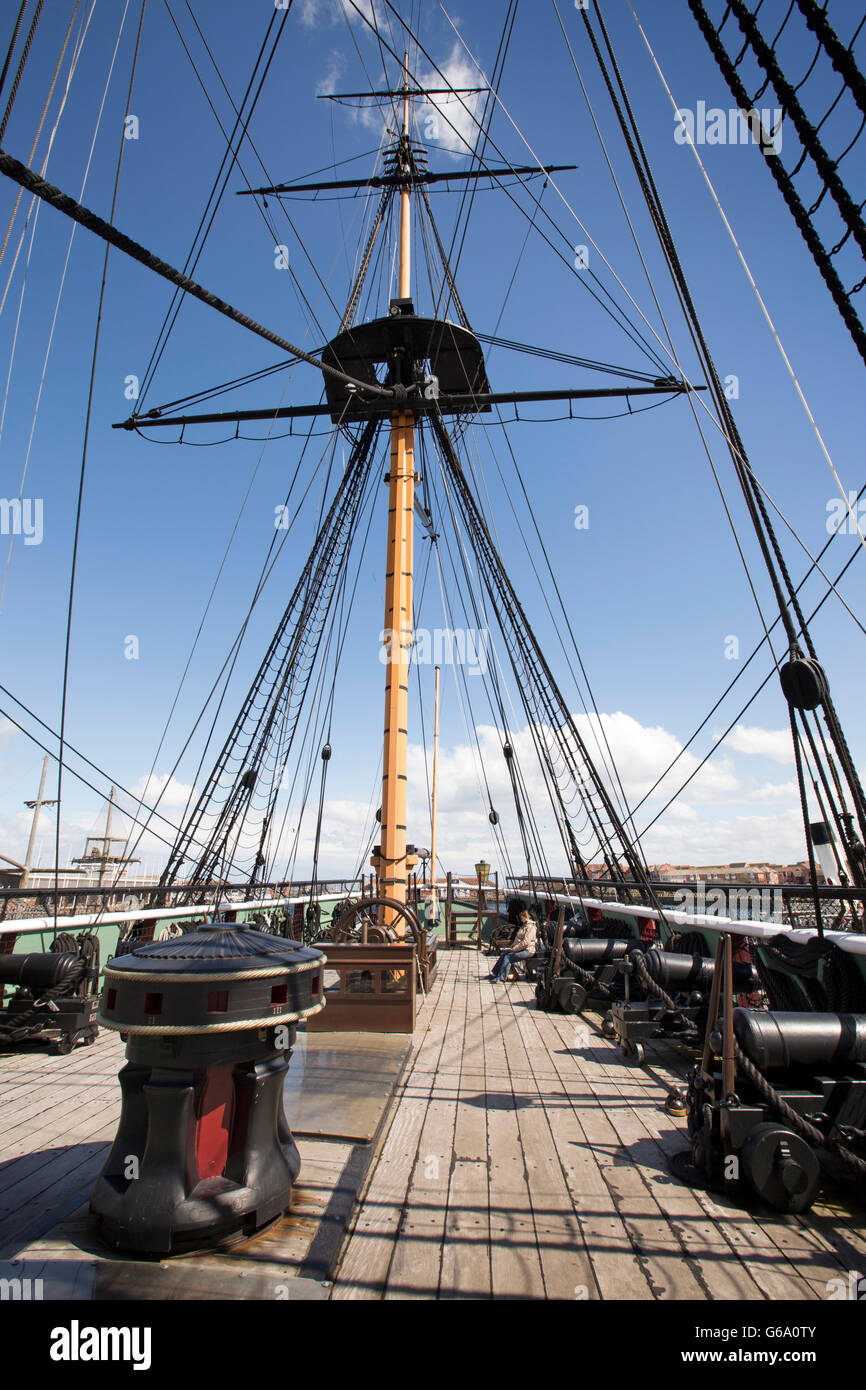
(500, 1152)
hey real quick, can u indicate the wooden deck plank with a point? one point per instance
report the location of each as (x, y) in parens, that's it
(515, 1264)
(369, 1250)
(522, 1158)
(465, 1271)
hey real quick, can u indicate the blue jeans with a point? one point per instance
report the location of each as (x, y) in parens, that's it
(503, 965)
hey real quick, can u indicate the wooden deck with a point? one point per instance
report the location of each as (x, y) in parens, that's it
(524, 1160)
(58, 1116)
(519, 1159)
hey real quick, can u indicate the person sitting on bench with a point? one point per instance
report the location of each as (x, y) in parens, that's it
(521, 948)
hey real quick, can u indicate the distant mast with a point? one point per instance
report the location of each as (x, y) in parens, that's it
(392, 865)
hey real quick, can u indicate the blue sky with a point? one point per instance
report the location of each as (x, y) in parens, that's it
(653, 585)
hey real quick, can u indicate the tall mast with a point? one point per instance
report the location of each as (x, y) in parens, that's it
(37, 807)
(393, 866)
(106, 839)
(433, 898)
(405, 196)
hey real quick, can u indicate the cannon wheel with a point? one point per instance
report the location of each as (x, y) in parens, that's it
(781, 1167)
(542, 996)
(635, 1053)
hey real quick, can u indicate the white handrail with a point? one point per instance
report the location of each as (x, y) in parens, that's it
(854, 944)
(150, 914)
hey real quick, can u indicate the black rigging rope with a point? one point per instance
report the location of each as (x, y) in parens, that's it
(21, 63)
(830, 275)
(80, 499)
(283, 675)
(534, 674)
(631, 330)
(12, 42)
(764, 530)
(303, 298)
(840, 56)
(34, 183)
(214, 197)
(718, 741)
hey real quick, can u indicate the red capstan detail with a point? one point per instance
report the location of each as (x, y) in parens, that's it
(214, 1118)
(742, 955)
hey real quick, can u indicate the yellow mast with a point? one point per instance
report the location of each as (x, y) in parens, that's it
(393, 866)
(434, 905)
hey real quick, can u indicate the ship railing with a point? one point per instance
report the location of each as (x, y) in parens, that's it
(22, 926)
(854, 943)
(787, 904)
(35, 901)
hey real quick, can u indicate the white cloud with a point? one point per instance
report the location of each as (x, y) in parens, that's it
(642, 753)
(718, 819)
(773, 792)
(766, 743)
(172, 795)
(7, 734)
(777, 839)
(314, 13)
(451, 121)
(334, 71)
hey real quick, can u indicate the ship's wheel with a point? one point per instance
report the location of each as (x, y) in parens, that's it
(357, 921)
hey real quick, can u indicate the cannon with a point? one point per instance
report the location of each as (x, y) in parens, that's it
(776, 1096)
(55, 1000)
(585, 966)
(666, 995)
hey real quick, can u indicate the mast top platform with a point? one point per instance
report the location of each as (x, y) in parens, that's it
(415, 349)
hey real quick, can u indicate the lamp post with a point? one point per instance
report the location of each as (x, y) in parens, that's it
(482, 873)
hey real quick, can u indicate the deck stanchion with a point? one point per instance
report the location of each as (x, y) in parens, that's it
(728, 1067)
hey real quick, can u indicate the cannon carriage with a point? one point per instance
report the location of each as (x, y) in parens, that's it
(55, 1001)
(779, 1096)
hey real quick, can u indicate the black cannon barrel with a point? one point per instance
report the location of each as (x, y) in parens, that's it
(682, 972)
(780, 1040)
(595, 951)
(38, 970)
